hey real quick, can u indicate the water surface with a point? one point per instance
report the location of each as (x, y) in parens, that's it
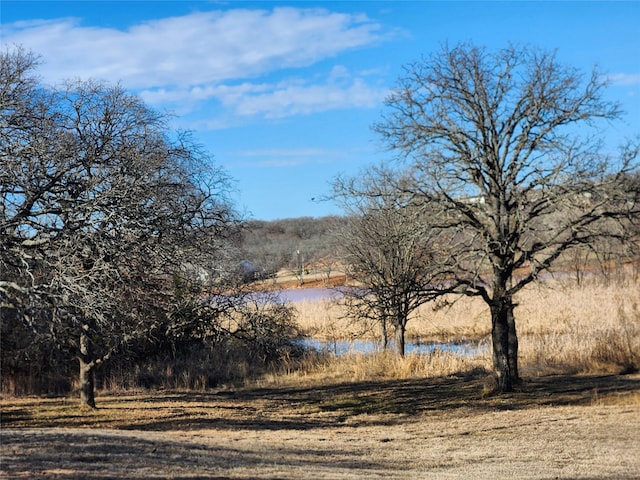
(343, 347)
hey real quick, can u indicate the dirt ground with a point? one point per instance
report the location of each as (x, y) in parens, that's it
(568, 427)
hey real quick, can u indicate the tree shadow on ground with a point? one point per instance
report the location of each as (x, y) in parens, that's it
(83, 453)
(326, 406)
(415, 396)
(157, 433)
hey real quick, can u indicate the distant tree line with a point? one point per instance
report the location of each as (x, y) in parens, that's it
(292, 245)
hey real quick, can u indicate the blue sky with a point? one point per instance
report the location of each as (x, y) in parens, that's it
(283, 94)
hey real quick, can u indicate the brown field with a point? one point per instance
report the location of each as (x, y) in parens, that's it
(375, 416)
(578, 427)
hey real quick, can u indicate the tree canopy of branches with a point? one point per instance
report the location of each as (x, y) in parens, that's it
(388, 248)
(103, 209)
(500, 142)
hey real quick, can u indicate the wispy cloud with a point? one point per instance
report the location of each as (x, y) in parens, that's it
(293, 157)
(278, 152)
(624, 79)
(195, 49)
(297, 99)
(279, 157)
(338, 89)
(232, 58)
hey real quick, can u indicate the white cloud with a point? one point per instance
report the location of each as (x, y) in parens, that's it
(230, 66)
(293, 96)
(281, 158)
(195, 49)
(624, 79)
(294, 99)
(279, 152)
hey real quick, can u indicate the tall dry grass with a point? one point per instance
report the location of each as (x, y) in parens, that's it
(589, 328)
(563, 327)
(322, 368)
(464, 318)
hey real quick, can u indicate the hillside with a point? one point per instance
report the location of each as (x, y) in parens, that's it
(297, 247)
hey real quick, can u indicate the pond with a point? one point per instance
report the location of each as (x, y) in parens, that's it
(295, 295)
(343, 347)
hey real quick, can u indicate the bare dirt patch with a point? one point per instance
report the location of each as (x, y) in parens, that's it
(553, 427)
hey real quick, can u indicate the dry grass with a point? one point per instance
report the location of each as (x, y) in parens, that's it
(316, 369)
(543, 307)
(562, 328)
(444, 427)
(592, 328)
(374, 416)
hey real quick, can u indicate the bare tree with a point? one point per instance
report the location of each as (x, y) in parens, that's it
(500, 142)
(103, 210)
(389, 249)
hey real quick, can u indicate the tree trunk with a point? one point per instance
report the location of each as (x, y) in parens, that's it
(400, 343)
(86, 378)
(500, 339)
(383, 334)
(513, 345)
(87, 395)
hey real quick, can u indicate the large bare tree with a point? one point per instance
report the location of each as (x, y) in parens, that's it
(104, 210)
(501, 142)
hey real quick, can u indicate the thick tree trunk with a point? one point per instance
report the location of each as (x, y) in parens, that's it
(513, 345)
(400, 342)
(500, 338)
(87, 387)
(86, 378)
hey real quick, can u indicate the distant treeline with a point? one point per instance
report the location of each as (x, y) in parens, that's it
(288, 244)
